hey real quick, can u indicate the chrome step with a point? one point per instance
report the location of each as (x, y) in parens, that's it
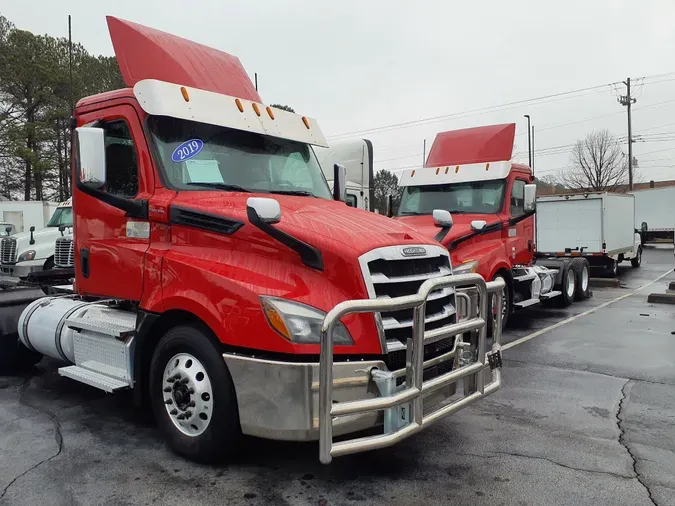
(524, 277)
(550, 295)
(526, 303)
(107, 328)
(92, 378)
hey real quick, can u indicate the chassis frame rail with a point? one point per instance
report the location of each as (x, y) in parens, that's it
(415, 388)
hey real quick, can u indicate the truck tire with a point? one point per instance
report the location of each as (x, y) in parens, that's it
(506, 307)
(582, 271)
(637, 260)
(193, 396)
(612, 268)
(567, 285)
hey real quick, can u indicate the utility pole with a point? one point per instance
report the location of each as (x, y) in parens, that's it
(529, 141)
(626, 100)
(533, 151)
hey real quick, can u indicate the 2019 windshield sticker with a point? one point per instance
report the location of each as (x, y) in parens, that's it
(187, 150)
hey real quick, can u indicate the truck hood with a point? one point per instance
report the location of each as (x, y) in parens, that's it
(319, 222)
(461, 225)
(44, 235)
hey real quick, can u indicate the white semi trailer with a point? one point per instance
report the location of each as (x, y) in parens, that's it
(597, 226)
(357, 157)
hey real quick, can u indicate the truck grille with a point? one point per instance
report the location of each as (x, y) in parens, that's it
(8, 250)
(64, 252)
(388, 273)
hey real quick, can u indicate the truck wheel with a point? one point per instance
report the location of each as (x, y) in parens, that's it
(506, 306)
(193, 396)
(612, 268)
(567, 285)
(583, 278)
(637, 261)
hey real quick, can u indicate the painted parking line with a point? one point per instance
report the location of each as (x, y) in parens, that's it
(587, 312)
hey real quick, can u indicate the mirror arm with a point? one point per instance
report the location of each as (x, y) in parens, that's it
(310, 256)
(518, 219)
(133, 208)
(441, 234)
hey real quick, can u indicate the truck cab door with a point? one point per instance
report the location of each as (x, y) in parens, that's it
(110, 245)
(520, 233)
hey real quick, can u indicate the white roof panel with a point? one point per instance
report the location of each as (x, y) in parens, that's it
(167, 99)
(455, 174)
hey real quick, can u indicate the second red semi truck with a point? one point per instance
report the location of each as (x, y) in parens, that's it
(218, 277)
(492, 203)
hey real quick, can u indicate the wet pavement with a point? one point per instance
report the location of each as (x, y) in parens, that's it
(586, 416)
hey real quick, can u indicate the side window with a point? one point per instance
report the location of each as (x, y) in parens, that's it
(518, 198)
(351, 200)
(120, 159)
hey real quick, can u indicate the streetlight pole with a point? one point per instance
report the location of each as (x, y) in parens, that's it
(529, 140)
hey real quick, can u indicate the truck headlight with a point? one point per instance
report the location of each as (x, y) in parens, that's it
(300, 323)
(466, 268)
(26, 255)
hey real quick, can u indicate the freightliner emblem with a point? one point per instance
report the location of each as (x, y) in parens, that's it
(413, 251)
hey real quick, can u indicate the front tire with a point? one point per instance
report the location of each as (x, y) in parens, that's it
(193, 396)
(637, 261)
(612, 268)
(506, 306)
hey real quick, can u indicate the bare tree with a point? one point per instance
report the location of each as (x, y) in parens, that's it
(597, 164)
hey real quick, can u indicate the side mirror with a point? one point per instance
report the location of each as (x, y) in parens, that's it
(442, 218)
(268, 210)
(91, 156)
(478, 225)
(389, 205)
(339, 182)
(530, 200)
(62, 228)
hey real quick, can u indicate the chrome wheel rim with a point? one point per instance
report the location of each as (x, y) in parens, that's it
(570, 283)
(584, 278)
(187, 394)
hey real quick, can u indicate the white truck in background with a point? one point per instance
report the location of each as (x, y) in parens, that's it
(654, 213)
(596, 226)
(33, 250)
(356, 156)
(26, 214)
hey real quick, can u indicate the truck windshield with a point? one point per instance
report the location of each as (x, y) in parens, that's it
(62, 216)
(475, 197)
(197, 155)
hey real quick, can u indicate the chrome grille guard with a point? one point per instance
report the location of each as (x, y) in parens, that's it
(415, 388)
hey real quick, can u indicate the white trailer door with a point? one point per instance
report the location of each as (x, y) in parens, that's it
(15, 218)
(571, 224)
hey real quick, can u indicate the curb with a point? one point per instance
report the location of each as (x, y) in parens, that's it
(605, 282)
(661, 298)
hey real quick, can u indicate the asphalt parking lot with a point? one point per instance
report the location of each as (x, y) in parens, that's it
(586, 416)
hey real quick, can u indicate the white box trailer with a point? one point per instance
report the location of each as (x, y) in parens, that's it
(26, 214)
(598, 226)
(357, 157)
(654, 209)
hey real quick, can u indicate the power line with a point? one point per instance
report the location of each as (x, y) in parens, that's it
(394, 126)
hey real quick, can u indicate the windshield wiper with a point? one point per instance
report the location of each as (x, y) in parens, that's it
(221, 186)
(411, 213)
(301, 193)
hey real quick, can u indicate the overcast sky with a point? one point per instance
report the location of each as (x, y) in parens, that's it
(358, 65)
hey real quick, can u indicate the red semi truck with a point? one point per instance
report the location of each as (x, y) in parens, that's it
(218, 277)
(492, 203)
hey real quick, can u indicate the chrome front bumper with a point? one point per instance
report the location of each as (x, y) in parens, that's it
(309, 401)
(22, 269)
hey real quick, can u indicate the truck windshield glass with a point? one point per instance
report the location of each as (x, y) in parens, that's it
(192, 153)
(62, 216)
(475, 197)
